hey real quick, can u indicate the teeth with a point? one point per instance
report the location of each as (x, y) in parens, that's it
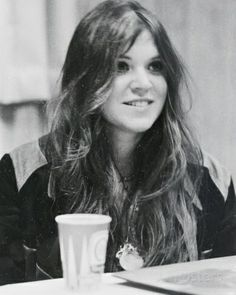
(138, 103)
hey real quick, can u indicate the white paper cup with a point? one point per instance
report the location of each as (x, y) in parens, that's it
(83, 243)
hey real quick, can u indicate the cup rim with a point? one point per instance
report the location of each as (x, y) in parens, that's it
(76, 218)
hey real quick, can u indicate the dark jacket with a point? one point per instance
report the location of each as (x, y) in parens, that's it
(29, 246)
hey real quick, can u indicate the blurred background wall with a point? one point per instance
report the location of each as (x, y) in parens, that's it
(34, 36)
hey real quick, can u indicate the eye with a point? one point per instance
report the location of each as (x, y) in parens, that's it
(156, 66)
(122, 67)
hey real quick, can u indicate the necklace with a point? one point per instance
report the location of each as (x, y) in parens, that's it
(129, 257)
(128, 254)
(127, 178)
(126, 181)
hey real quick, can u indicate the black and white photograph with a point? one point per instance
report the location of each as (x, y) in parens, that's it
(117, 147)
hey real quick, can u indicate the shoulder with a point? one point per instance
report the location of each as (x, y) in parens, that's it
(217, 173)
(27, 158)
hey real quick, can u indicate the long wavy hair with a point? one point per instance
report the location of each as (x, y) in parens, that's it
(84, 177)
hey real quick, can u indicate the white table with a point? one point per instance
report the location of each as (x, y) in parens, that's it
(110, 285)
(119, 286)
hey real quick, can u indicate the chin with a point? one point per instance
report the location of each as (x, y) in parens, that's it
(141, 128)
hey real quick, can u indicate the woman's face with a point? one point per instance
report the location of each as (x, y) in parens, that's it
(139, 89)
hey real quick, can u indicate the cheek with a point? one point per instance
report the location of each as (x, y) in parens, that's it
(114, 97)
(161, 88)
(109, 109)
(106, 109)
(120, 85)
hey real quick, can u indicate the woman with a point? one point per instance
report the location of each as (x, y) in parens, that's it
(119, 145)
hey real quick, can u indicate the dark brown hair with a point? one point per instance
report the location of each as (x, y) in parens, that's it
(84, 177)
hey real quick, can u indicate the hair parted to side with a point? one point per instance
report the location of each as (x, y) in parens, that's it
(84, 177)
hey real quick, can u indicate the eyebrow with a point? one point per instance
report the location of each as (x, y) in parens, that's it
(129, 58)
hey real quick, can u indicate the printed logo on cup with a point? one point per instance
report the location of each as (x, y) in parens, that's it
(97, 250)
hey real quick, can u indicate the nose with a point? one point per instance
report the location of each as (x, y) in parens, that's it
(140, 83)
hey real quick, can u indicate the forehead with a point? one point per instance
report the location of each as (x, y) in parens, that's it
(143, 45)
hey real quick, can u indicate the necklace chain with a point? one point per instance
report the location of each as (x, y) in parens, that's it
(130, 246)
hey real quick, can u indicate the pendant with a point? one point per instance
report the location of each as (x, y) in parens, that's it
(129, 257)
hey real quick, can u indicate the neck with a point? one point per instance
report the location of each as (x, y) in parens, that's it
(123, 145)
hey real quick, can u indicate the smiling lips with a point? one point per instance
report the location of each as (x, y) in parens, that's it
(138, 102)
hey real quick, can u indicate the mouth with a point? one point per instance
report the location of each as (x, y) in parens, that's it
(138, 102)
